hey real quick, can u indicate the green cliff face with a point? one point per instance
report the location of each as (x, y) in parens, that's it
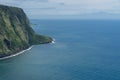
(15, 31)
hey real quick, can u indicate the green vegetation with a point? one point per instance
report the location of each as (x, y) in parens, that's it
(15, 31)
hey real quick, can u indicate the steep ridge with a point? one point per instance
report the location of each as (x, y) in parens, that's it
(15, 31)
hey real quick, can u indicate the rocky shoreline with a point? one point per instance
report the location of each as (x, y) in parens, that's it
(14, 54)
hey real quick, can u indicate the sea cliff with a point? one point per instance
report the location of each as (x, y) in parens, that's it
(16, 33)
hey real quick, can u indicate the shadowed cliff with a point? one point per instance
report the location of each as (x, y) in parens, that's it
(15, 31)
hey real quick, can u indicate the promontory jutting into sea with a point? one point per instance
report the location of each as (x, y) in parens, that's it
(16, 33)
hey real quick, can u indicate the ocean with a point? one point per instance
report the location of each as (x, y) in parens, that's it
(83, 50)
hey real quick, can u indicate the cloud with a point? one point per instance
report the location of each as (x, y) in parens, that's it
(43, 8)
(91, 5)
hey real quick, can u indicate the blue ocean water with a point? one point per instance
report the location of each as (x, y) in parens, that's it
(83, 50)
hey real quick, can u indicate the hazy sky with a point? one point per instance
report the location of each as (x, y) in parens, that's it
(68, 8)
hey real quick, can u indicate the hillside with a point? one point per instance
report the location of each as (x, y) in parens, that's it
(15, 31)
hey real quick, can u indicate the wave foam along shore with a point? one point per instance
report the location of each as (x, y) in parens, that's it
(17, 53)
(53, 42)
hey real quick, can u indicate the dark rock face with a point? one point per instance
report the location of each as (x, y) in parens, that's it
(15, 31)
